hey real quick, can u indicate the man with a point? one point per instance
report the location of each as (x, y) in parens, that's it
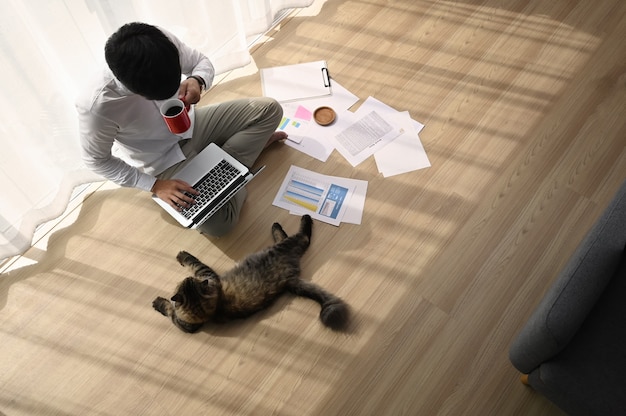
(125, 139)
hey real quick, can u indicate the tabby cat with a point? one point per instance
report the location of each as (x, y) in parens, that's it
(252, 285)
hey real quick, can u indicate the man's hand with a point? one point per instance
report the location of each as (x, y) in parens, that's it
(173, 191)
(189, 91)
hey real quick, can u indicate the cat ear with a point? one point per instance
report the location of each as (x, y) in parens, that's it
(209, 286)
(211, 281)
(177, 297)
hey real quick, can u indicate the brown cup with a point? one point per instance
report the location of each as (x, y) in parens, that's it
(324, 115)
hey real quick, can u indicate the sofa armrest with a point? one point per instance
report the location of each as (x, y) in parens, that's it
(578, 286)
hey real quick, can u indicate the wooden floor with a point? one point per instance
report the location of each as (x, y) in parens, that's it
(524, 103)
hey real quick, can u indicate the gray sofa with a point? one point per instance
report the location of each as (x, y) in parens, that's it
(573, 347)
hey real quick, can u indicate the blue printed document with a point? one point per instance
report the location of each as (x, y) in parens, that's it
(329, 199)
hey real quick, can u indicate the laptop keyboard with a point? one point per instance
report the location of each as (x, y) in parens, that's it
(210, 185)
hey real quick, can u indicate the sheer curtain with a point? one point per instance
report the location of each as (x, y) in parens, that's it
(49, 49)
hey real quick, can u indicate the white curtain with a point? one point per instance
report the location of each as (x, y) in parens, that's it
(49, 49)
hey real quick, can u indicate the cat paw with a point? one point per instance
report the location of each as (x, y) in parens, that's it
(278, 233)
(160, 305)
(183, 257)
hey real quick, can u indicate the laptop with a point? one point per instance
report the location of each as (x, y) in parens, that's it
(217, 176)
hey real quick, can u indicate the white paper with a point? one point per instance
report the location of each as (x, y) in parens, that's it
(295, 122)
(296, 82)
(340, 100)
(356, 205)
(329, 199)
(364, 136)
(373, 104)
(313, 139)
(406, 153)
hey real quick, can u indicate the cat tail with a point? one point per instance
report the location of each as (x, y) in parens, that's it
(335, 313)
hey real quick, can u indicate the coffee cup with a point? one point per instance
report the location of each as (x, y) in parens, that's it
(174, 112)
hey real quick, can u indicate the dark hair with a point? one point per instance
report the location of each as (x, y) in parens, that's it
(143, 59)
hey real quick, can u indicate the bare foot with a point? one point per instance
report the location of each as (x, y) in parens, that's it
(276, 137)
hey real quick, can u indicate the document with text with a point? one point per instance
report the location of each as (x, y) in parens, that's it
(364, 136)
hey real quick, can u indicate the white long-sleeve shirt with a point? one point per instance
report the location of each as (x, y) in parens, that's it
(123, 136)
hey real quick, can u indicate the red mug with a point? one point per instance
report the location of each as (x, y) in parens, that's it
(174, 112)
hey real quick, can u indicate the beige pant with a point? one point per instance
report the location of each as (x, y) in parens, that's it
(242, 128)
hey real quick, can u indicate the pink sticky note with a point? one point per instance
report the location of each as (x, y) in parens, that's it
(303, 114)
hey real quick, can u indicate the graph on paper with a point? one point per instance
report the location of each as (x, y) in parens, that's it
(330, 199)
(325, 199)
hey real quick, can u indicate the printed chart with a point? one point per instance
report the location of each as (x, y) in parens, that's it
(326, 198)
